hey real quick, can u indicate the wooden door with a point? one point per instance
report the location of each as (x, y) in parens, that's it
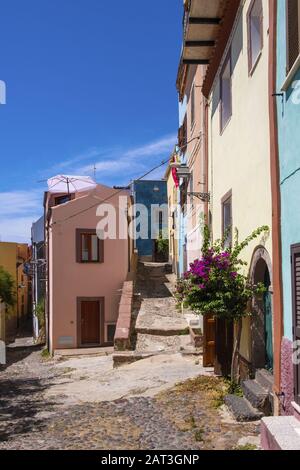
(90, 322)
(224, 347)
(209, 340)
(296, 313)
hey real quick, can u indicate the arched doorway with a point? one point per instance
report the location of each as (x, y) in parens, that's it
(262, 320)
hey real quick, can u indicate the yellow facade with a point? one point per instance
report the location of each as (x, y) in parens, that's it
(12, 258)
(172, 220)
(239, 154)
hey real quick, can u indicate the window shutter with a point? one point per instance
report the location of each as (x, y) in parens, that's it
(293, 33)
(296, 281)
(296, 312)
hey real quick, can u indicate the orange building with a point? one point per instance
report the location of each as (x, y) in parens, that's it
(12, 259)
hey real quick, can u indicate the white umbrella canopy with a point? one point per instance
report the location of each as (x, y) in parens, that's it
(70, 184)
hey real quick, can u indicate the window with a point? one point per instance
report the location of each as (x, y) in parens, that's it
(160, 221)
(193, 107)
(226, 98)
(183, 196)
(295, 259)
(89, 248)
(182, 136)
(62, 199)
(293, 32)
(255, 32)
(227, 219)
(192, 187)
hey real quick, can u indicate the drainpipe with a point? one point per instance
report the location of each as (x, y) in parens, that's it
(276, 202)
(206, 117)
(47, 212)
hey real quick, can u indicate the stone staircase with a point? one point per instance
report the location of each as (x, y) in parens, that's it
(257, 400)
(160, 328)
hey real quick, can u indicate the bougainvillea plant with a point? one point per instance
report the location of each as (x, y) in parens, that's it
(215, 283)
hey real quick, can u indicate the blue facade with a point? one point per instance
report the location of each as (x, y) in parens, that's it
(149, 193)
(289, 155)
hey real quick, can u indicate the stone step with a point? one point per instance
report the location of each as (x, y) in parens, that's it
(280, 433)
(129, 357)
(265, 379)
(161, 331)
(241, 409)
(257, 396)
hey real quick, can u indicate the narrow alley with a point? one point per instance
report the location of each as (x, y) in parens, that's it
(165, 401)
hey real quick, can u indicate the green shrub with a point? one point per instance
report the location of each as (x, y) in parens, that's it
(7, 288)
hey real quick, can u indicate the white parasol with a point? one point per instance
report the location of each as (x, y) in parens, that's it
(70, 184)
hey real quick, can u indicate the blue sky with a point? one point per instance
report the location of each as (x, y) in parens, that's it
(88, 81)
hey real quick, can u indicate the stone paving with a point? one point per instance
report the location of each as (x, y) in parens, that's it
(36, 414)
(85, 403)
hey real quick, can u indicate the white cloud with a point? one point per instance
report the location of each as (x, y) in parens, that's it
(16, 229)
(18, 209)
(132, 162)
(158, 147)
(16, 202)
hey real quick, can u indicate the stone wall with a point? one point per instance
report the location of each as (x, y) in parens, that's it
(123, 328)
(287, 378)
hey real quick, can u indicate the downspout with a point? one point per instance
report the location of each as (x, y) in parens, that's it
(206, 168)
(47, 283)
(276, 202)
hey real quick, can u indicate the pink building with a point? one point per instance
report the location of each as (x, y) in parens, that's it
(85, 274)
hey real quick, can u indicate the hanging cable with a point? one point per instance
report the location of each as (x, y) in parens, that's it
(121, 190)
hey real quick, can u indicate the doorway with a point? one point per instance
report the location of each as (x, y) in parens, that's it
(90, 322)
(262, 320)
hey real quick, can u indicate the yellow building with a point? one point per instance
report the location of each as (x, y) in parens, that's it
(12, 259)
(172, 220)
(236, 89)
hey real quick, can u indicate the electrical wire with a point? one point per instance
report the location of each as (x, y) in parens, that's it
(164, 162)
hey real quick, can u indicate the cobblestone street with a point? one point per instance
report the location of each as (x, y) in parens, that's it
(40, 409)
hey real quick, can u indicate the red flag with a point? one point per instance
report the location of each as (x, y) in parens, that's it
(175, 177)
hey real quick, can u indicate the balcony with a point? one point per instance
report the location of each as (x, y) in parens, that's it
(201, 23)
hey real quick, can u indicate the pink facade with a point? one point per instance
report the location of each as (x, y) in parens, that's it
(80, 291)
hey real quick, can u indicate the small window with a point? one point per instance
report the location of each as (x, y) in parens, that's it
(293, 32)
(182, 136)
(192, 186)
(160, 221)
(227, 219)
(62, 199)
(89, 247)
(183, 196)
(193, 107)
(226, 98)
(255, 32)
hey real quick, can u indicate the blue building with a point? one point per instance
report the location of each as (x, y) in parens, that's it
(288, 110)
(151, 199)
